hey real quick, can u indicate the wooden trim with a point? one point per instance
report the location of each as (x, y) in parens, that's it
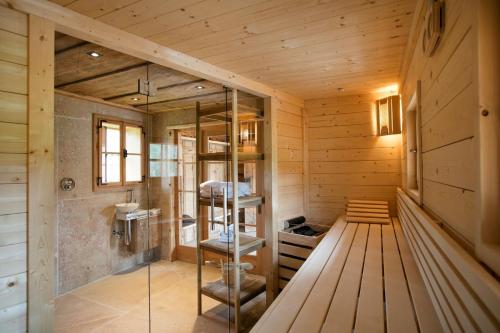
(86, 28)
(271, 196)
(41, 181)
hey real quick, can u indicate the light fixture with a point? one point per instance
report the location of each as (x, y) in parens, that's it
(135, 99)
(388, 114)
(200, 87)
(340, 89)
(94, 54)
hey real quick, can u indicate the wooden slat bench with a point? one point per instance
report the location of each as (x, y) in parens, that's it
(360, 277)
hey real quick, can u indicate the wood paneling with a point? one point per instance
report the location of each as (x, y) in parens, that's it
(466, 297)
(13, 169)
(290, 161)
(41, 181)
(346, 159)
(306, 48)
(450, 109)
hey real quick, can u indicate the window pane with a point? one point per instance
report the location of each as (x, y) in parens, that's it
(155, 168)
(155, 151)
(110, 168)
(133, 139)
(111, 138)
(133, 168)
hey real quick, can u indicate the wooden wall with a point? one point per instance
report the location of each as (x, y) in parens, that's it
(346, 157)
(450, 107)
(290, 134)
(13, 169)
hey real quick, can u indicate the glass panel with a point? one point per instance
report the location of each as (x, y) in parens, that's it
(133, 168)
(133, 139)
(110, 168)
(111, 139)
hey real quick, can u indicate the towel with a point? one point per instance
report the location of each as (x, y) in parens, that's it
(243, 189)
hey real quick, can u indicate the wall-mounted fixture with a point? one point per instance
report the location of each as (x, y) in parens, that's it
(389, 115)
(200, 87)
(434, 27)
(67, 184)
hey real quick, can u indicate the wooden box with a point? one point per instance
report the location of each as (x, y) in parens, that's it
(294, 249)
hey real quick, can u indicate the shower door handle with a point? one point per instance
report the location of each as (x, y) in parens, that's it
(224, 208)
(212, 207)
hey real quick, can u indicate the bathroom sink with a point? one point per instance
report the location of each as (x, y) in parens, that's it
(126, 207)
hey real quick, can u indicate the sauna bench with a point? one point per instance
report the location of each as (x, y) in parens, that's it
(362, 278)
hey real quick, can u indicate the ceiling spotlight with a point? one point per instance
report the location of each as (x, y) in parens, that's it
(340, 89)
(94, 54)
(200, 87)
(135, 99)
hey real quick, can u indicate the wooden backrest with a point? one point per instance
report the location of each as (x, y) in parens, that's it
(465, 296)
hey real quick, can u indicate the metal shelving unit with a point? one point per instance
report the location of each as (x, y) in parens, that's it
(253, 285)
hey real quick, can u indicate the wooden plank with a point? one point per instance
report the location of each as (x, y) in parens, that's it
(342, 310)
(370, 202)
(424, 309)
(12, 229)
(13, 48)
(13, 108)
(366, 210)
(370, 312)
(291, 299)
(13, 198)
(12, 259)
(315, 308)
(471, 271)
(13, 21)
(454, 164)
(359, 214)
(13, 138)
(13, 319)
(468, 313)
(13, 168)
(75, 24)
(13, 290)
(41, 182)
(286, 273)
(294, 250)
(399, 310)
(290, 262)
(13, 77)
(282, 283)
(382, 206)
(368, 219)
(251, 287)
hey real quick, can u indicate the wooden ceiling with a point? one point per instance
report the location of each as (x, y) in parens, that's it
(308, 48)
(113, 77)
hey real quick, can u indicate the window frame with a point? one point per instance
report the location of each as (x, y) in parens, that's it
(97, 184)
(414, 162)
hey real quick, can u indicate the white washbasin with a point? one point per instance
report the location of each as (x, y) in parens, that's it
(126, 207)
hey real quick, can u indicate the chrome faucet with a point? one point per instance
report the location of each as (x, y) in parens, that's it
(130, 198)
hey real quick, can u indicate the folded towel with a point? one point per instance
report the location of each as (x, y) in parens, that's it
(243, 188)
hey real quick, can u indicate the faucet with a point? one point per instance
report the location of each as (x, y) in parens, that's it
(131, 198)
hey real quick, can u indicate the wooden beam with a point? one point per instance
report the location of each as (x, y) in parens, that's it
(83, 27)
(97, 100)
(95, 77)
(159, 89)
(41, 182)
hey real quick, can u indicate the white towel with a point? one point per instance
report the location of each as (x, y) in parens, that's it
(243, 188)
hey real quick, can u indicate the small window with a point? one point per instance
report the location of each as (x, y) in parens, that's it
(413, 147)
(119, 153)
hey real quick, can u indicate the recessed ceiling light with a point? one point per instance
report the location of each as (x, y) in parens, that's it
(340, 89)
(200, 87)
(135, 99)
(94, 54)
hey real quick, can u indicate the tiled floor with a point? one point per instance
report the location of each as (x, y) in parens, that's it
(119, 303)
